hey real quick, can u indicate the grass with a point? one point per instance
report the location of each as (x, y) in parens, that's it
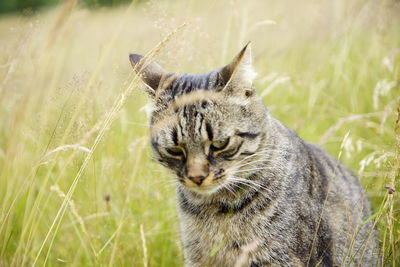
(77, 184)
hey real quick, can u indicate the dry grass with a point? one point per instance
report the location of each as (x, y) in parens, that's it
(77, 185)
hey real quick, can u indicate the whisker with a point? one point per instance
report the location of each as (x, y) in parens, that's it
(238, 186)
(265, 151)
(249, 182)
(261, 153)
(251, 185)
(255, 155)
(226, 186)
(254, 169)
(251, 162)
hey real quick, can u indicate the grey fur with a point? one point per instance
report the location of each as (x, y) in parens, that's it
(268, 198)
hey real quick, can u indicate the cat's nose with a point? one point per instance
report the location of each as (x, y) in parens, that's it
(197, 179)
(197, 170)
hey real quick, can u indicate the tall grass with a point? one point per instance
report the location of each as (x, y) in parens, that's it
(77, 184)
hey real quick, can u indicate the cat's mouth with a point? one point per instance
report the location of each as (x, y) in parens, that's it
(208, 185)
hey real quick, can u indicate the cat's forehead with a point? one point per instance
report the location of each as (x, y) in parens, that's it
(188, 108)
(194, 111)
(178, 85)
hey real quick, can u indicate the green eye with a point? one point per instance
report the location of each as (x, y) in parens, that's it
(176, 151)
(220, 144)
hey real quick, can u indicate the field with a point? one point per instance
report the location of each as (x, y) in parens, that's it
(77, 183)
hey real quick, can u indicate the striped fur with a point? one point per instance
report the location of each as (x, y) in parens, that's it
(250, 191)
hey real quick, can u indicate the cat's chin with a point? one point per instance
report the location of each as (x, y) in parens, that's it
(204, 190)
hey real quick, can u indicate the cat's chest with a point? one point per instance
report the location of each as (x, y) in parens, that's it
(218, 238)
(213, 227)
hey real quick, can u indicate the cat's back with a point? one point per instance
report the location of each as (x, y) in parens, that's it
(330, 197)
(319, 168)
(346, 208)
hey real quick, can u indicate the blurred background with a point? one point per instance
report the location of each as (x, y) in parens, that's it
(29, 6)
(77, 183)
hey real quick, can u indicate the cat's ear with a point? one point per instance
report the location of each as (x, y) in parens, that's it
(240, 72)
(149, 71)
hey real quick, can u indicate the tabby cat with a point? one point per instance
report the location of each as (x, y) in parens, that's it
(250, 191)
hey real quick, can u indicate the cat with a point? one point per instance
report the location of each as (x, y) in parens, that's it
(250, 192)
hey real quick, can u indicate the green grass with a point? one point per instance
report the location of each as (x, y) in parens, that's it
(72, 129)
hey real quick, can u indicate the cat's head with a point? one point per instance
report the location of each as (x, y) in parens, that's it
(207, 128)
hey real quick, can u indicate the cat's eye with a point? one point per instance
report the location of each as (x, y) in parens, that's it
(176, 151)
(220, 144)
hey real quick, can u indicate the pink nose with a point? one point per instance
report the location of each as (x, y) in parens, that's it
(197, 179)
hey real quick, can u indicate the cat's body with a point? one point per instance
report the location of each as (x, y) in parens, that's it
(308, 200)
(251, 192)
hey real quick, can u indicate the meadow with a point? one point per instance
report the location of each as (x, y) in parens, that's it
(78, 186)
